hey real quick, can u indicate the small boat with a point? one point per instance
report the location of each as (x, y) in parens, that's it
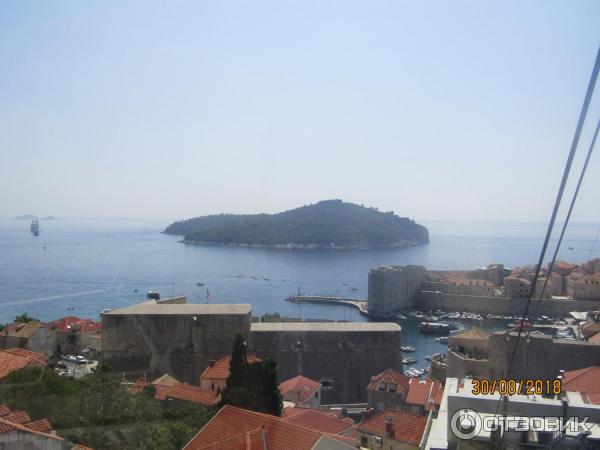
(407, 349)
(105, 310)
(35, 228)
(401, 317)
(199, 284)
(409, 360)
(435, 327)
(434, 356)
(151, 295)
(441, 339)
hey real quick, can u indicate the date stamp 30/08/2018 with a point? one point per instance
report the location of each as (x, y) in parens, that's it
(484, 386)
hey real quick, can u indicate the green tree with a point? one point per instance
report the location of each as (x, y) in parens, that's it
(25, 318)
(251, 386)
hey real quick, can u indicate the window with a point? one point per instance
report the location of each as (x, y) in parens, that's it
(382, 386)
(392, 387)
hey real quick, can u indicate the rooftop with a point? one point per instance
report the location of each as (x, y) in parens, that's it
(176, 390)
(472, 333)
(17, 358)
(325, 326)
(236, 428)
(20, 420)
(582, 380)
(219, 370)
(318, 421)
(21, 330)
(172, 309)
(389, 376)
(305, 387)
(407, 427)
(424, 393)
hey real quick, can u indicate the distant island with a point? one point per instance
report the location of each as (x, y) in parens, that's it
(34, 217)
(326, 224)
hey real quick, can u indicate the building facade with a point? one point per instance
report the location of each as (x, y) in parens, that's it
(393, 289)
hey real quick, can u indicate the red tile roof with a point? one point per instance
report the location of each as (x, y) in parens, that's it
(178, 391)
(40, 425)
(18, 417)
(20, 420)
(17, 358)
(389, 376)
(407, 427)
(239, 429)
(583, 380)
(318, 421)
(424, 393)
(303, 386)
(220, 369)
(76, 325)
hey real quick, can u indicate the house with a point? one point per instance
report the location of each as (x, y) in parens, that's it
(239, 429)
(215, 375)
(18, 431)
(19, 334)
(14, 359)
(423, 395)
(72, 335)
(387, 389)
(169, 389)
(301, 391)
(392, 430)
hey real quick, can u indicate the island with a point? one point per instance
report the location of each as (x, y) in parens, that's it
(332, 224)
(34, 217)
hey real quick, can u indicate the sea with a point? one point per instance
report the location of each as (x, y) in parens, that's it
(79, 267)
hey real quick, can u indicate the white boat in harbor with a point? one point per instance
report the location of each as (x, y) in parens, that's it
(409, 360)
(407, 349)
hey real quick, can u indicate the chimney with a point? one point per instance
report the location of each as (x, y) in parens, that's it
(389, 431)
(344, 412)
(211, 363)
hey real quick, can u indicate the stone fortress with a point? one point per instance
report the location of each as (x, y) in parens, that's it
(181, 339)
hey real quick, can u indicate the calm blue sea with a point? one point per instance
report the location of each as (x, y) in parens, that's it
(89, 265)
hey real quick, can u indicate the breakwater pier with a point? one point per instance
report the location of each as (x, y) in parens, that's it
(359, 304)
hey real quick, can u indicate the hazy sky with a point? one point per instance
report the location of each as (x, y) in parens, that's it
(436, 110)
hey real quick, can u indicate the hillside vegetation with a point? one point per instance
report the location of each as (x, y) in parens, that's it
(327, 224)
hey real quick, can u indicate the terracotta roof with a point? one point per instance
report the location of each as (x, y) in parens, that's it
(39, 425)
(590, 328)
(389, 376)
(20, 420)
(177, 391)
(295, 410)
(407, 427)
(315, 420)
(76, 325)
(472, 333)
(17, 358)
(220, 369)
(583, 380)
(239, 429)
(166, 380)
(305, 387)
(424, 393)
(595, 339)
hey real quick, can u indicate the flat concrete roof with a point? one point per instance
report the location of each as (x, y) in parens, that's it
(325, 326)
(167, 309)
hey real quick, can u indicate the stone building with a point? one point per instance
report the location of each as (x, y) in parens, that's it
(216, 373)
(468, 354)
(341, 356)
(517, 287)
(583, 286)
(170, 336)
(173, 337)
(392, 289)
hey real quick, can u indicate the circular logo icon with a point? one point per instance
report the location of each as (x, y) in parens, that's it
(465, 424)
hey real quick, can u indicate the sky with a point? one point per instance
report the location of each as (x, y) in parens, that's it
(435, 110)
